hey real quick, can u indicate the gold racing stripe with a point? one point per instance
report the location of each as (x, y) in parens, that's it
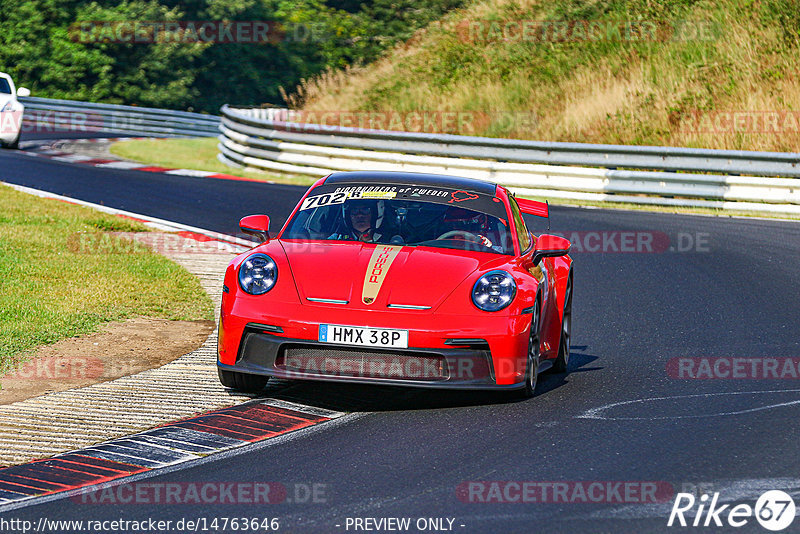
(379, 263)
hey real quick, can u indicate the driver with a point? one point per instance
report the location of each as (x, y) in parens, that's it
(461, 222)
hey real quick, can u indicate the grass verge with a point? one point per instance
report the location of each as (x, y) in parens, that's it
(52, 288)
(696, 73)
(198, 153)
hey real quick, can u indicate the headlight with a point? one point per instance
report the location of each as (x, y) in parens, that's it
(258, 274)
(494, 291)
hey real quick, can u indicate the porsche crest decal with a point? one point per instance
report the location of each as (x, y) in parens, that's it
(379, 263)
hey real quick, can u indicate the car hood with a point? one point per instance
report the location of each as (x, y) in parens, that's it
(357, 273)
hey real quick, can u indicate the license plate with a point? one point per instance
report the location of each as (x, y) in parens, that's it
(364, 336)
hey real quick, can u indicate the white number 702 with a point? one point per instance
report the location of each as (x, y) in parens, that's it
(323, 200)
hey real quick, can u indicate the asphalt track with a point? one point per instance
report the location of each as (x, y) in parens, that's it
(406, 453)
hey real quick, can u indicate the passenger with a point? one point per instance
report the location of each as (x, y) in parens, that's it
(360, 221)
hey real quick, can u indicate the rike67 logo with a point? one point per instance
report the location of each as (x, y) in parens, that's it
(774, 510)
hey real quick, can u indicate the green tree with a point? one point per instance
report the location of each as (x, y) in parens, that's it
(53, 47)
(68, 48)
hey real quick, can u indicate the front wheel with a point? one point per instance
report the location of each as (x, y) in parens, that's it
(242, 381)
(532, 364)
(14, 145)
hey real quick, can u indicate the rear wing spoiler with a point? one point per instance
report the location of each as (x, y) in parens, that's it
(534, 207)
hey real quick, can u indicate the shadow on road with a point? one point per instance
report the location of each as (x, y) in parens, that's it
(371, 398)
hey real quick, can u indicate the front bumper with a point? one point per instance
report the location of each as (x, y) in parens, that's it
(469, 366)
(10, 126)
(502, 340)
(8, 137)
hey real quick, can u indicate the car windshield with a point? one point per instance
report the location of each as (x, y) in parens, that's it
(434, 222)
(5, 87)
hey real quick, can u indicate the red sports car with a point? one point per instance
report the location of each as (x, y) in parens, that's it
(401, 279)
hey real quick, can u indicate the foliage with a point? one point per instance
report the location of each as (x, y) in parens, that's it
(656, 72)
(45, 47)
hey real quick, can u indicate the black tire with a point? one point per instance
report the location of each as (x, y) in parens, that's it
(14, 145)
(562, 360)
(242, 381)
(532, 365)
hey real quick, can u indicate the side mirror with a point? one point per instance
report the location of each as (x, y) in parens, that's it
(549, 246)
(256, 225)
(23, 91)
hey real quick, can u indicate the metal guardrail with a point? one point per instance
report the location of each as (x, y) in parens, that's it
(268, 139)
(74, 116)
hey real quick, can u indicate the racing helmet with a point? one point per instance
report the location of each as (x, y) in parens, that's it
(376, 208)
(456, 218)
